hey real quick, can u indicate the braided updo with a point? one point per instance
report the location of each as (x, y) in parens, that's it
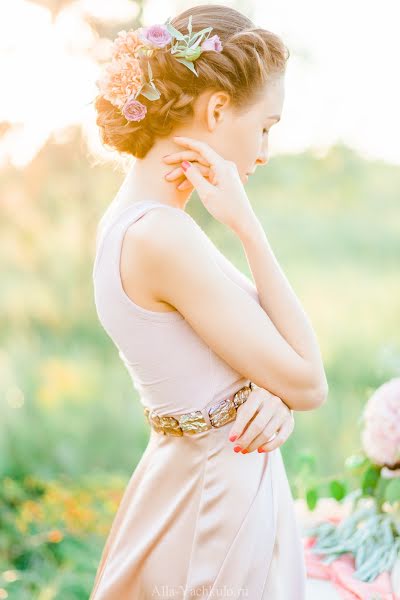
(250, 56)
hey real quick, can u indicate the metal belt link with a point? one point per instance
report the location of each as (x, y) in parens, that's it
(220, 413)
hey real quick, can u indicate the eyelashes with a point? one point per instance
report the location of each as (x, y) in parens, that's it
(265, 131)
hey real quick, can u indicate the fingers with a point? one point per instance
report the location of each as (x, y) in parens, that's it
(184, 185)
(282, 435)
(201, 147)
(262, 424)
(261, 428)
(178, 157)
(201, 184)
(245, 413)
(253, 442)
(179, 172)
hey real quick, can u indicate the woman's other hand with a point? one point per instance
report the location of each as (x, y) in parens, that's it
(264, 421)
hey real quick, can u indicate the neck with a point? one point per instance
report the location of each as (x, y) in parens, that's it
(146, 181)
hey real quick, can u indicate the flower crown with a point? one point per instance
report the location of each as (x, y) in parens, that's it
(123, 79)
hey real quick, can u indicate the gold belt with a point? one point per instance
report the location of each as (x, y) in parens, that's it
(216, 415)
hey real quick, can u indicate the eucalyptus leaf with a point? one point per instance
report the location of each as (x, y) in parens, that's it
(390, 559)
(387, 531)
(150, 92)
(201, 32)
(174, 32)
(371, 560)
(188, 64)
(360, 555)
(189, 54)
(196, 43)
(329, 559)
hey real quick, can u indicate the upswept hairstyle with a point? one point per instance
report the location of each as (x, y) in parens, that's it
(250, 57)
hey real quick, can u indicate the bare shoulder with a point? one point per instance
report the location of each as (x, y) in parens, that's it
(162, 229)
(150, 248)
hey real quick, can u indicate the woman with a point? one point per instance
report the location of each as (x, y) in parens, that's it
(220, 364)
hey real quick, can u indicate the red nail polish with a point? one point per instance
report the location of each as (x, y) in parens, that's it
(261, 450)
(233, 437)
(237, 448)
(245, 451)
(185, 165)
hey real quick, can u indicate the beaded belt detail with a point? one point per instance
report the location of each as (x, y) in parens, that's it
(217, 415)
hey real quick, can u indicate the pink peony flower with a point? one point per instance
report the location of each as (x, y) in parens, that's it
(121, 78)
(133, 110)
(212, 43)
(126, 43)
(381, 434)
(157, 36)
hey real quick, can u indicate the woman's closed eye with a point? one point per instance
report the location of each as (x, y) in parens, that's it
(265, 131)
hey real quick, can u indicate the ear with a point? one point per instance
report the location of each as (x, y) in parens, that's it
(216, 108)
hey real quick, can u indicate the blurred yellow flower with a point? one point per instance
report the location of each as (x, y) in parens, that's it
(59, 380)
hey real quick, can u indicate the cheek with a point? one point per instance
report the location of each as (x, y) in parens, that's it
(241, 143)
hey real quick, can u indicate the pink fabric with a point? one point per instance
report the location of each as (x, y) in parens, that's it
(196, 520)
(340, 572)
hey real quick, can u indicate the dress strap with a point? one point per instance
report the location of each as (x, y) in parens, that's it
(135, 209)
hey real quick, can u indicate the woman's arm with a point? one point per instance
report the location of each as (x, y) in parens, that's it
(279, 301)
(179, 269)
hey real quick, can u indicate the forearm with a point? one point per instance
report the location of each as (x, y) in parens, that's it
(279, 301)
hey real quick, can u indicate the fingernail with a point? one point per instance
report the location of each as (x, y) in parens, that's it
(185, 165)
(245, 451)
(261, 450)
(233, 437)
(237, 448)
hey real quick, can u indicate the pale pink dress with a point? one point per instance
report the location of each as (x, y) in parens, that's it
(197, 520)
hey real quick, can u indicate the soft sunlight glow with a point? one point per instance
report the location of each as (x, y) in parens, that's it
(341, 73)
(50, 71)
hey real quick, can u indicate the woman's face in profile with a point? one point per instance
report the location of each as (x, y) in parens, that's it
(243, 136)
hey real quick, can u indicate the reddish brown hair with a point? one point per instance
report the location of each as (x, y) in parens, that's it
(250, 56)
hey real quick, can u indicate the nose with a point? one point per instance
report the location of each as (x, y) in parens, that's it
(262, 159)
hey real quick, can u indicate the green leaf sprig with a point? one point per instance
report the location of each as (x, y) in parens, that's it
(186, 48)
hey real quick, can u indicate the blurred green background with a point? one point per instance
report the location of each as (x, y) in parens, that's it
(72, 428)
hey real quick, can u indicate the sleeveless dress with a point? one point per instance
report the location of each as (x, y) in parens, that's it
(196, 520)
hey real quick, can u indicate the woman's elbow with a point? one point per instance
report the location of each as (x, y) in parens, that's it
(319, 395)
(309, 399)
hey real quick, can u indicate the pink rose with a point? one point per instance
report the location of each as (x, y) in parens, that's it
(133, 110)
(212, 43)
(155, 35)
